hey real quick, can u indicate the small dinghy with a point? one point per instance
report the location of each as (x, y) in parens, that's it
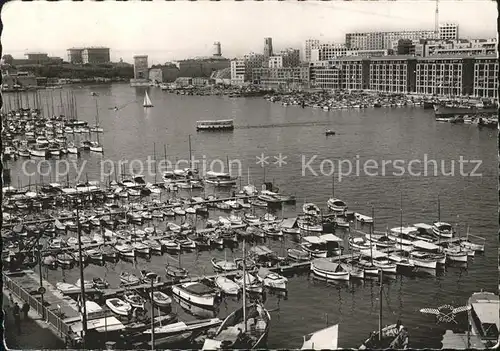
(149, 276)
(227, 286)
(161, 299)
(271, 280)
(133, 299)
(298, 255)
(127, 278)
(329, 132)
(118, 306)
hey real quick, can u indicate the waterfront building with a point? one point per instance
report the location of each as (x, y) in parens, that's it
(444, 76)
(290, 57)
(268, 47)
(460, 47)
(217, 49)
(75, 55)
(369, 53)
(485, 79)
(164, 73)
(94, 55)
(392, 74)
(141, 69)
(310, 45)
(343, 73)
(241, 69)
(222, 76)
(448, 31)
(22, 79)
(201, 66)
(383, 40)
(330, 51)
(275, 62)
(38, 57)
(281, 78)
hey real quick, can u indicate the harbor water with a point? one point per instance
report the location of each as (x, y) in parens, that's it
(297, 135)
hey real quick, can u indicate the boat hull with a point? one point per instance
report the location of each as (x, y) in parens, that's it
(203, 301)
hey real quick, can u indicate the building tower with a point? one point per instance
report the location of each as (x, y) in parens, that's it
(217, 49)
(268, 47)
(436, 18)
(141, 68)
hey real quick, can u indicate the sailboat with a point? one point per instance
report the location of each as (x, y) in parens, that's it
(394, 336)
(147, 101)
(95, 145)
(245, 328)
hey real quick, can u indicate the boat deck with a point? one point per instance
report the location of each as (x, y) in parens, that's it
(458, 341)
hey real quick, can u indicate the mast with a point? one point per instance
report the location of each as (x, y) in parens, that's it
(439, 219)
(152, 319)
(154, 155)
(97, 120)
(372, 230)
(333, 185)
(380, 310)
(82, 283)
(190, 157)
(401, 224)
(244, 292)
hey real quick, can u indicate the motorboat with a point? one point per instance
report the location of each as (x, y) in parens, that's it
(127, 278)
(227, 286)
(141, 248)
(271, 279)
(196, 293)
(309, 226)
(65, 259)
(324, 268)
(161, 299)
(118, 306)
(231, 332)
(483, 317)
(443, 229)
(133, 299)
(99, 283)
(336, 205)
(380, 241)
(333, 244)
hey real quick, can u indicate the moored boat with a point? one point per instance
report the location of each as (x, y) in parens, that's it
(196, 293)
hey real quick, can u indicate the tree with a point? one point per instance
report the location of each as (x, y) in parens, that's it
(7, 59)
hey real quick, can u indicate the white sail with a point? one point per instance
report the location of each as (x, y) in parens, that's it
(325, 339)
(147, 101)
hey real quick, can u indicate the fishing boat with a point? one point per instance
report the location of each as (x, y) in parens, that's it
(127, 278)
(66, 287)
(133, 299)
(442, 229)
(298, 255)
(380, 260)
(271, 279)
(483, 317)
(161, 299)
(336, 205)
(86, 283)
(154, 246)
(360, 243)
(125, 250)
(175, 333)
(468, 244)
(196, 293)
(223, 265)
(141, 248)
(324, 268)
(220, 179)
(380, 241)
(147, 101)
(118, 306)
(109, 252)
(246, 328)
(99, 283)
(315, 246)
(250, 282)
(394, 336)
(308, 225)
(227, 286)
(311, 209)
(149, 276)
(176, 272)
(362, 218)
(65, 259)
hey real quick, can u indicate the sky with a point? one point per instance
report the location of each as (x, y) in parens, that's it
(175, 30)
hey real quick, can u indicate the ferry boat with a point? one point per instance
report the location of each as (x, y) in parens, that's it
(223, 124)
(483, 317)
